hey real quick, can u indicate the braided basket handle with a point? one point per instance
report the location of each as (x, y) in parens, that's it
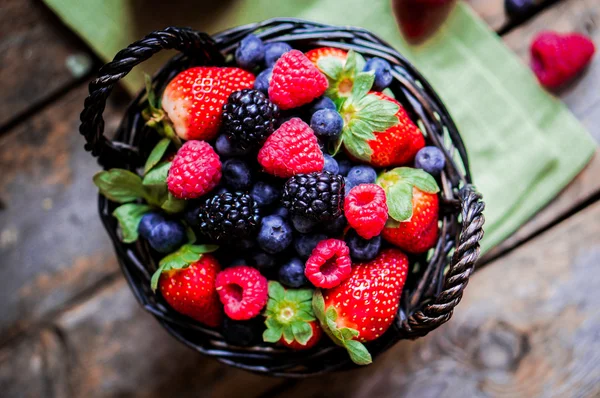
(185, 40)
(465, 255)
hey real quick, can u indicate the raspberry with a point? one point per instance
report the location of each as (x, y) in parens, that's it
(292, 149)
(243, 292)
(196, 169)
(556, 59)
(329, 264)
(295, 81)
(366, 209)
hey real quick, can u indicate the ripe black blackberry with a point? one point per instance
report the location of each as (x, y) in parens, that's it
(229, 217)
(249, 118)
(318, 196)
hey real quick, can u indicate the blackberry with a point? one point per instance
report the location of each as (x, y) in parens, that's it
(317, 196)
(229, 217)
(249, 118)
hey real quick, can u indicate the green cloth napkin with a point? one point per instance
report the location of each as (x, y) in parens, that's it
(524, 145)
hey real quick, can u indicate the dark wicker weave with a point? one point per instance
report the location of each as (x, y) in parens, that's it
(431, 293)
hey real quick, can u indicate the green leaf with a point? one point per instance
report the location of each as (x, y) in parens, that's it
(185, 255)
(190, 235)
(334, 147)
(362, 84)
(155, 278)
(358, 352)
(173, 205)
(350, 64)
(360, 62)
(361, 129)
(302, 332)
(380, 114)
(358, 148)
(318, 305)
(331, 66)
(399, 201)
(276, 291)
(158, 175)
(305, 316)
(119, 185)
(299, 295)
(156, 154)
(389, 93)
(418, 178)
(273, 334)
(288, 335)
(348, 333)
(129, 216)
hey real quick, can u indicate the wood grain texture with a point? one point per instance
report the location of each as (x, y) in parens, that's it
(38, 58)
(527, 327)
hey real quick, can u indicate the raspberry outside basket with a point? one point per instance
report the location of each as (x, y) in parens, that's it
(437, 282)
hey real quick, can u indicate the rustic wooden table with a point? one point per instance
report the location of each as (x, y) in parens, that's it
(69, 326)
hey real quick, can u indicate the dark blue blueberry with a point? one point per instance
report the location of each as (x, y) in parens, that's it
(331, 165)
(291, 274)
(335, 227)
(263, 261)
(431, 159)
(360, 175)
(518, 9)
(281, 212)
(321, 103)
(383, 73)
(190, 216)
(148, 222)
(344, 165)
(265, 194)
(361, 249)
(167, 236)
(327, 123)
(304, 244)
(303, 225)
(275, 50)
(275, 234)
(263, 79)
(250, 52)
(243, 333)
(237, 175)
(226, 149)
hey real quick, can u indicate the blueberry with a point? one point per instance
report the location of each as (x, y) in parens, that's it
(190, 216)
(265, 194)
(335, 227)
(431, 159)
(243, 333)
(226, 149)
(383, 73)
(291, 274)
(263, 261)
(237, 175)
(250, 52)
(344, 165)
(303, 225)
(518, 9)
(321, 103)
(148, 222)
(331, 165)
(361, 249)
(360, 175)
(282, 212)
(304, 244)
(327, 123)
(275, 50)
(167, 236)
(263, 79)
(275, 234)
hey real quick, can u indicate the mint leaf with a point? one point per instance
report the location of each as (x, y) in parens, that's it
(418, 178)
(155, 184)
(276, 291)
(158, 175)
(362, 84)
(302, 332)
(358, 352)
(156, 154)
(129, 216)
(331, 66)
(119, 185)
(399, 201)
(173, 205)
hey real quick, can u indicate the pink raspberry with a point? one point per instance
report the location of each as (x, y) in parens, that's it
(196, 169)
(366, 209)
(329, 264)
(243, 292)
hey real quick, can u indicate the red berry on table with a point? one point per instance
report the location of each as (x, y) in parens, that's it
(295, 81)
(366, 210)
(556, 59)
(243, 292)
(316, 54)
(365, 305)
(329, 264)
(292, 149)
(195, 170)
(193, 100)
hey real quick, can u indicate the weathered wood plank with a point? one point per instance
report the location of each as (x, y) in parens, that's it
(38, 57)
(52, 244)
(527, 327)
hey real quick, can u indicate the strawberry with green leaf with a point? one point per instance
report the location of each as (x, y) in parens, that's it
(290, 319)
(413, 207)
(341, 71)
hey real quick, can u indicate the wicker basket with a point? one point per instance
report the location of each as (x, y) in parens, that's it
(437, 282)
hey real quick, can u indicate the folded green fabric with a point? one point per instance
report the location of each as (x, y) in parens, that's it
(524, 145)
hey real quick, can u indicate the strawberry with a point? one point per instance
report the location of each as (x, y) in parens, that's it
(341, 69)
(364, 306)
(195, 170)
(295, 81)
(292, 149)
(186, 280)
(413, 207)
(316, 54)
(290, 319)
(194, 99)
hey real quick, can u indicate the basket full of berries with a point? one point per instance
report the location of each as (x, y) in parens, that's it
(288, 197)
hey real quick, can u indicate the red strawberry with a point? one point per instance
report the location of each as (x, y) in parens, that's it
(413, 206)
(292, 149)
(195, 170)
(193, 100)
(329, 264)
(243, 292)
(290, 319)
(189, 288)
(295, 81)
(364, 306)
(366, 209)
(557, 59)
(319, 53)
